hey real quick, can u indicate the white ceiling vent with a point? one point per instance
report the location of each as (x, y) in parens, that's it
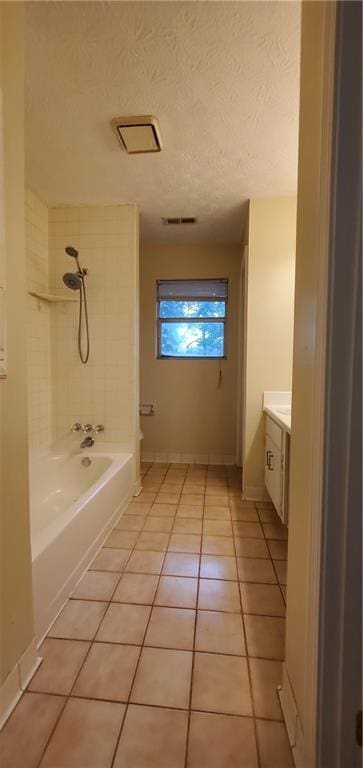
(138, 134)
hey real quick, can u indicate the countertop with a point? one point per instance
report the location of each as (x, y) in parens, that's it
(281, 414)
(277, 405)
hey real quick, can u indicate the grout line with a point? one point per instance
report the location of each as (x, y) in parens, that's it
(248, 664)
(193, 651)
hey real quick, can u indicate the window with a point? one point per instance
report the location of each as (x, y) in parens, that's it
(192, 318)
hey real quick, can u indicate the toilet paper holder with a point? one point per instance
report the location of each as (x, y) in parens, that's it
(147, 409)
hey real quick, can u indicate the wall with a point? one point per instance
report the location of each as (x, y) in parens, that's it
(304, 468)
(16, 586)
(105, 390)
(194, 417)
(270, 322)
(39, 325)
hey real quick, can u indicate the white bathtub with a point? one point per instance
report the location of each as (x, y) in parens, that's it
(72, 509)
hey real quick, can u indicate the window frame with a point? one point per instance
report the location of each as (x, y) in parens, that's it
(160, 320)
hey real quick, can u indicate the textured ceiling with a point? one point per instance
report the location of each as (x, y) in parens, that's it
(221, 77)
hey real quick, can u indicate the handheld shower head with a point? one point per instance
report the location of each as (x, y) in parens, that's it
(71, 251)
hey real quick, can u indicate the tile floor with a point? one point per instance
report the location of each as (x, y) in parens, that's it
(169, 651)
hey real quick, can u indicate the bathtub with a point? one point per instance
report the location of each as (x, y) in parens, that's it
(72, 509)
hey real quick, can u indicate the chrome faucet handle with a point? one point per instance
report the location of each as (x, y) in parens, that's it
(87, 428)
(77, 427)
(98, 428)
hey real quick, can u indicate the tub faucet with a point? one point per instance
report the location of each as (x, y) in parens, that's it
(87, 442)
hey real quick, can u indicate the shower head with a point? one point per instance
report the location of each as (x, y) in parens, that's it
(72, 280)
(71, 251)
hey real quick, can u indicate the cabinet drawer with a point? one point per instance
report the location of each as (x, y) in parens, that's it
(274, 432)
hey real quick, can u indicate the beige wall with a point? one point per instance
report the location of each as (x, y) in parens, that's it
(308, 258)
(270, 320)
(16, 585)
(193, 415)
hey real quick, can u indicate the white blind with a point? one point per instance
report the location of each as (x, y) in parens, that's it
(193, 289)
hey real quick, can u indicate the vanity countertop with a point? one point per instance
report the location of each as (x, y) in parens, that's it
(277, 405)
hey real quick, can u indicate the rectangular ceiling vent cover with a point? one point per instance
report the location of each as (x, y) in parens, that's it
(180, 220)
(138, 135)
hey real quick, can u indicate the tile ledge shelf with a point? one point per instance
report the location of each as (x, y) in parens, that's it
(50, 297)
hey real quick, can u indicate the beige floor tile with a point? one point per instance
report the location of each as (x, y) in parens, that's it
(177, 592)
(251, 548)
(108, 672)
(217, 527)
(130, 523)
(110, 560)
(217, 595)
(220, 684)
(79, 620)
(137, 508)
(267, 515)
(217, 513)
(187, 525)
(244, 514)
(136, 588)
(163, 510)
(221, 741)
(216, 501)
(217, 490)
(266, 675)
(273, 745)
(181, 564)
(192, 499)
(262, 599)
(189, 510)
(220, 633)
(122, 539)
(265, 636)
(217, 567)
(171, 628)
(284, 591)
(217, 545)
(145, 562)
(150, 485)
(275, 531)
(194, 488)
(281, 570)
(158, 524)
(163, 743)
(62, 660)
(96, 585)
(26, 733)
(256, 570)
(124, 623)
(86, 735)
(167, 498)
(248, 530)
(152, 541)
(163, 678)
(278, 549)
(185, 542)
(146, 496)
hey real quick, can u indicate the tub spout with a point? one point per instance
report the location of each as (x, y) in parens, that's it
(87, 442)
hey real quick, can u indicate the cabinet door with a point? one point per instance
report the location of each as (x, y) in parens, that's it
(273, 473)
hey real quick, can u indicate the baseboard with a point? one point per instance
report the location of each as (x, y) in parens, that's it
(189, 458)
(255, 493)
(292, 720)
(17, 680)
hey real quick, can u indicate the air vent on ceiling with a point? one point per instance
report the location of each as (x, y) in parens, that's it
(180, 220)
(138, 135)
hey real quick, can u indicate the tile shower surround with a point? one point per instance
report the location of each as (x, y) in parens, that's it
(61, 389)
(176, 632)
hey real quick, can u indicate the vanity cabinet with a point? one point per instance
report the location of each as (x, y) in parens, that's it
(277, 449)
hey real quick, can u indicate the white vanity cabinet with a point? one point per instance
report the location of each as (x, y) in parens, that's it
(277, 448)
